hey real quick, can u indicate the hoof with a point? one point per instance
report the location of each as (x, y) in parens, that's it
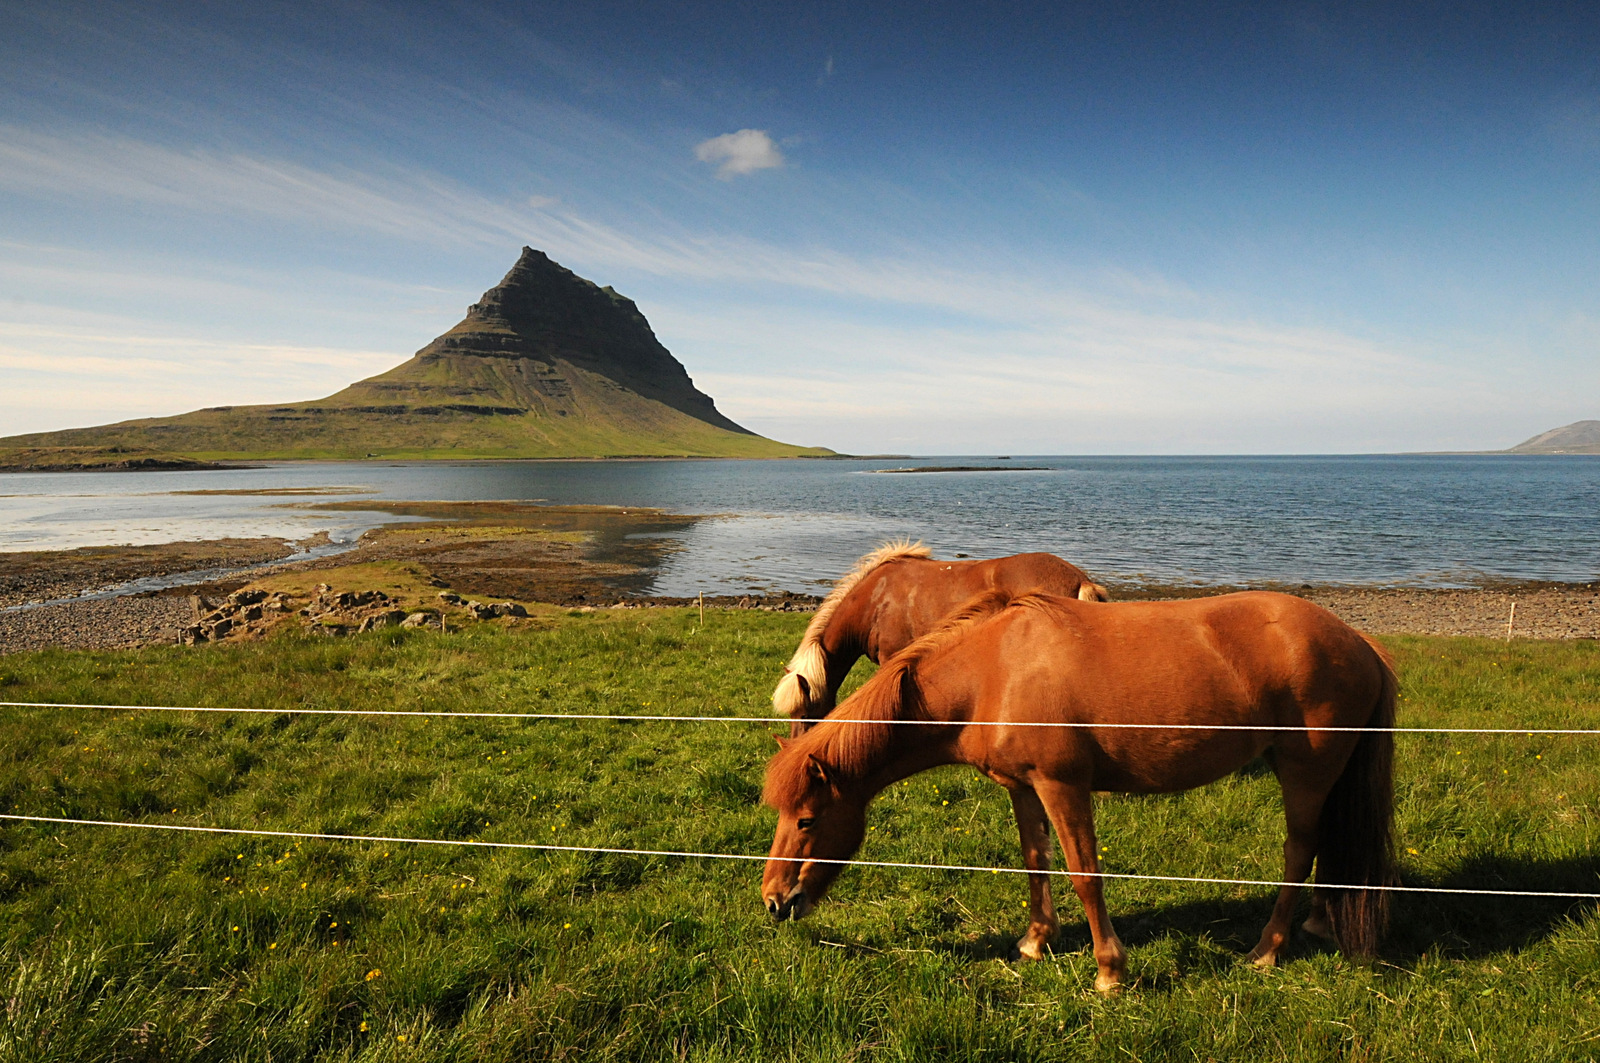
(1107, 986)
(1027, 949)
(1265, 954)
(1317, 925)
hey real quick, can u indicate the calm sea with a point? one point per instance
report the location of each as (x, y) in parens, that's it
(796, 525)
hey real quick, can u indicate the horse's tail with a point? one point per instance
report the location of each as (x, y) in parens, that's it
(1355, 845)
(1092, 592)
(804, 684)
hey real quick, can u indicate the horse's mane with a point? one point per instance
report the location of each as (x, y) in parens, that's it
(852, 738)
(808, 660)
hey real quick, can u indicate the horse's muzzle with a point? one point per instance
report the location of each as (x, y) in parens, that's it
(794, 906)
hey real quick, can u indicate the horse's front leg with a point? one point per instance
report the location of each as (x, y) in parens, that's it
(1071, 809)
(1034, 826)
(1302, 808)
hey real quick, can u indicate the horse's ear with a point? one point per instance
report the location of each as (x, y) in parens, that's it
(817, 769)
(805, 687)
(783, 743)
(908, 686)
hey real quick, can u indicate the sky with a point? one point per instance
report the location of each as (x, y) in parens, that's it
(932, 228)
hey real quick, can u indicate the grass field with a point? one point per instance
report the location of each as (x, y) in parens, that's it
(123, 944)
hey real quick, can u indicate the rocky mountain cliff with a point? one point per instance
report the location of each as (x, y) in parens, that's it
(525, 333)
(1579, 437)
(546, 364)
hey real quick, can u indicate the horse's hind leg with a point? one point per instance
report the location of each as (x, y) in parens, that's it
(1034, 826)
(1302, 808)
(1317, 922)
(1071, 809)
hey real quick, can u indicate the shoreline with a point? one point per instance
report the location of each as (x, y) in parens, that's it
(584, 557)
(149, 462)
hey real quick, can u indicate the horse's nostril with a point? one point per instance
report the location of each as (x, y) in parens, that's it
(772, 905)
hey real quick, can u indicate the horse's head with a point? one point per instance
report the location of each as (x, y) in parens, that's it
(817, 821)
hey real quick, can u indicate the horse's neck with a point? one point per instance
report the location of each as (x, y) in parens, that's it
(848, 633)
(884, 749)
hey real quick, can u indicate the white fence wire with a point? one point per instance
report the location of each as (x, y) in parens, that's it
(1062, 872)
(770, 720)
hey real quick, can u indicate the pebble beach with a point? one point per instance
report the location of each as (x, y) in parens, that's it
(1525, 611)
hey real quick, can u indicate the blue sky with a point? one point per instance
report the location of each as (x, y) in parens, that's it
(932, 228)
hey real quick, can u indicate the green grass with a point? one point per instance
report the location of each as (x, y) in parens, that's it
(122, 944)
(598, 420)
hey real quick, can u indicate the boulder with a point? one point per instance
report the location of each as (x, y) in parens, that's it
(387, 618)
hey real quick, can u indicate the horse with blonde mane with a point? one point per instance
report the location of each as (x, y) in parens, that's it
(1319, 693)
(893, 596)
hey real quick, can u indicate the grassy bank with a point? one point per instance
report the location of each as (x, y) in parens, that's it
(121, 944)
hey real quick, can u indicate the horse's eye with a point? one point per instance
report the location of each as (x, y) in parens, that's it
(804, 823)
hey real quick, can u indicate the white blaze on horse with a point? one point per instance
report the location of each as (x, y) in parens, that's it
(1322, 694)
(895, 595)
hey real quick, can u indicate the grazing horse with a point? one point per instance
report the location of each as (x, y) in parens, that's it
(893, 596)
(1254, 659)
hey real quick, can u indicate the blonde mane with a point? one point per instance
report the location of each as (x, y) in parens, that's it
(847, 740)
(791, 698)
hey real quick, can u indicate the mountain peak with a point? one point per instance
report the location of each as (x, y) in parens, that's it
(545, 312)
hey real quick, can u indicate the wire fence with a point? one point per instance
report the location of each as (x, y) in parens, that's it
(687, 854)
(770, 720)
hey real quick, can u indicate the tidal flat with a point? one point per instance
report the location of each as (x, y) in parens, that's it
(590, 556)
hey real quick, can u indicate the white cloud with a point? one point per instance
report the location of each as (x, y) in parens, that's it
(740, 153)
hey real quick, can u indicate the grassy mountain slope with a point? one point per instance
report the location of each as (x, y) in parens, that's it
(1579, 437)
(545, 365)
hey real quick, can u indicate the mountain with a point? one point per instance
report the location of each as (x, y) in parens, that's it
(1579, 437)
(545, 365)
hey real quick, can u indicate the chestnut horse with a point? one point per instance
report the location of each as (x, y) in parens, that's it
(1253, 659)
(893, 596)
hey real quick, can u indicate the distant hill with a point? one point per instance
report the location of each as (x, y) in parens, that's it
(1579, 437)
(545, 365)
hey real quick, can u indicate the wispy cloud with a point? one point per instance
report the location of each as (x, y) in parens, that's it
(737, 154)
(55, 376)
(1017, 343)
(413, 206)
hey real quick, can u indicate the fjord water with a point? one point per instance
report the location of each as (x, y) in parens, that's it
(796, 525)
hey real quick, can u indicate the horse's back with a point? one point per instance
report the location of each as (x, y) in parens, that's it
(1124, 661)
(1261, 637)
(1253, 659)
(908, 598)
